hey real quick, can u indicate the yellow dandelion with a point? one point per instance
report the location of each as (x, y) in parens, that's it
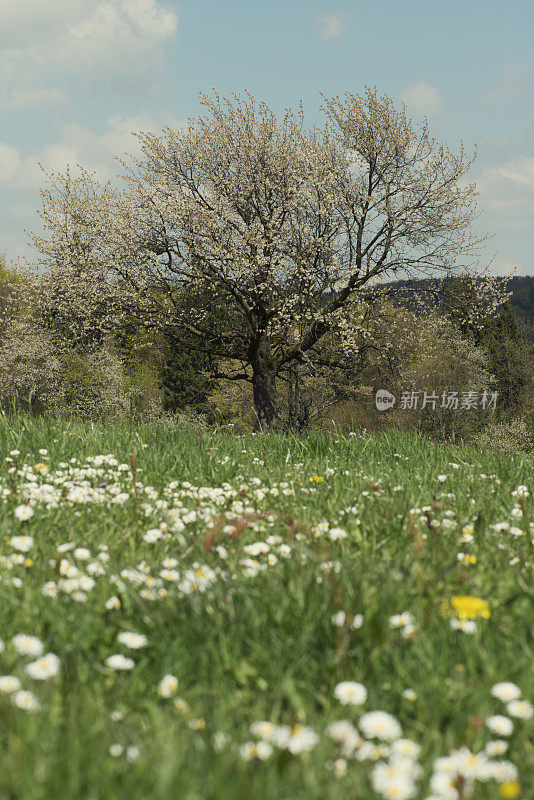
(470, 607)
(510, 790)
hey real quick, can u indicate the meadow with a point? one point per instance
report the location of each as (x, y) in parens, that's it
(206, 616)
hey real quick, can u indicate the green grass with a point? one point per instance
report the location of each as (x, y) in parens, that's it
(264, 646)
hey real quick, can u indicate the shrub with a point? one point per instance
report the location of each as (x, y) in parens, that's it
(30, 370)
(509, 436)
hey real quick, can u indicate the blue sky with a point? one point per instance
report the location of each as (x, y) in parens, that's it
(77, 76)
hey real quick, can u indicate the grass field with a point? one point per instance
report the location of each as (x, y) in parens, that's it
(181, 589)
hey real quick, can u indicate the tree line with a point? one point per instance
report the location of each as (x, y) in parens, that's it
(246, 251)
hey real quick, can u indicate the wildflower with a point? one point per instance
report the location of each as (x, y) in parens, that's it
(44, 668)
(506, 691)
(86, 583)
(113, 603)
(27, 645)
(405, 621)
(502, 771)
(502, 726)
(9, 684)
(220, 740)
(350, 692)
(132, 640)
(26, 700)
(357, 622)
(497, 747)
(521, 709)
(339, 767)
(471, 765)
(256, 549)
(82, 553)
(152, 535)
(23, 512)
(405, 748)
(442, 782)
(469, 607)
(393, 781)
(132, 753)
(167, 686)
(264, 730)
(341, 730)
(465, 625)
(410, 695)
(466, 558)
(64, 548)
(372, 752)
(509, 790)
(515, 531)
(336, 534)
(116, 750)
(120, 662)
(261, 750)
(301, 739)
(169, 575)
(380, 725)
(21, 543)
(338, 619)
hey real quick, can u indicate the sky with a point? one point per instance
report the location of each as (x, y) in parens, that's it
(77, 77)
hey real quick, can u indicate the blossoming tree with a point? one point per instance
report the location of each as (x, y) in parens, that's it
(248, 236)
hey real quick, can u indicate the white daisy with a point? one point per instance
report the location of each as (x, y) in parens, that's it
(350, 692)
(132, 640)
(44, 668)
(120, 662)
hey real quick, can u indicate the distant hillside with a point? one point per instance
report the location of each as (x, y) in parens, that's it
(522, 298)
(523, 302)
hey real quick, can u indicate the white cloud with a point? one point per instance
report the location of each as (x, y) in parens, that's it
(78, 144)
(21, 178)
(10, 163)
(119, 42)
(28, 22)
(422, 98)
(331, 26)
(506, 196)
(519, 171)
(22, 87)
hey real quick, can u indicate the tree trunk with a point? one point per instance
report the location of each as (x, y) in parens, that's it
(264, 387)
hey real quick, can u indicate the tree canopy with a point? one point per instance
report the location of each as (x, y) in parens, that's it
(248, 236)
